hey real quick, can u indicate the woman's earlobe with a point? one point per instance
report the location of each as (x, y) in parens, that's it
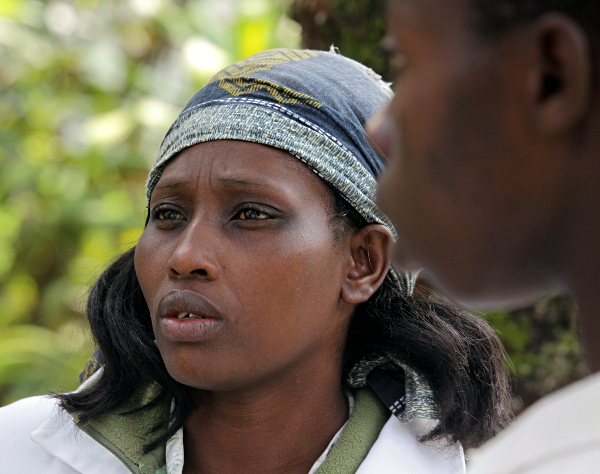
(369, 248)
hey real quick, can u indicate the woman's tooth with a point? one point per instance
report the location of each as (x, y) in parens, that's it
(189, 315)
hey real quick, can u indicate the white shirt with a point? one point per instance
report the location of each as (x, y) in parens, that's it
(36, 437)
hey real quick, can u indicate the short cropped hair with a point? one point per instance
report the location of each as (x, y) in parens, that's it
(495, 17)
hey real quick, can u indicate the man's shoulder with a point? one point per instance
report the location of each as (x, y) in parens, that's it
(561, 431)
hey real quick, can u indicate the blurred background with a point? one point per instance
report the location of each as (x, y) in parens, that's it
(88, 88)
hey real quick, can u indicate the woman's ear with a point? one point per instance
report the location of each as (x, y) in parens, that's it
(370, 262)
(562, 62)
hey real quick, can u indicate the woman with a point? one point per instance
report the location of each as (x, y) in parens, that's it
(257, 326)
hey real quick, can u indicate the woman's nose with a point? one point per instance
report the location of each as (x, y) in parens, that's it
(195, 254)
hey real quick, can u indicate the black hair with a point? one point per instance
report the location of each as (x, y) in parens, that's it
(498, 16)
(458, 353)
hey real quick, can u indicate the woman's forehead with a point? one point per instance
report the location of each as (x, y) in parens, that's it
(236, 164)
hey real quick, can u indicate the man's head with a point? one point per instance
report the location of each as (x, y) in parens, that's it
(492, 139)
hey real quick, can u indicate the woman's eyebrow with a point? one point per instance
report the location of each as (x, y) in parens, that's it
(244, 183)
(172, 185)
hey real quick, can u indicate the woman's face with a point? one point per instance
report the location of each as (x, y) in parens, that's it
(241, 269)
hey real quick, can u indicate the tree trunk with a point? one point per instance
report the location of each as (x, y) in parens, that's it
(355, 27)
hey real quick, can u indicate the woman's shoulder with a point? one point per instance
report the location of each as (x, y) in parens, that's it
(398, 449)
(376, 442)
(18, 421)
(37, 436)
(24, 416)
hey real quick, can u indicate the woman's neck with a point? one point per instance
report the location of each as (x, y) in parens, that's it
(267, 430)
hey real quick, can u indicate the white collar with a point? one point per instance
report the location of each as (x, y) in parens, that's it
(62, 438)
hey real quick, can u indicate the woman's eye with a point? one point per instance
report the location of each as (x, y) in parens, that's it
(253, 214)
(168, 215)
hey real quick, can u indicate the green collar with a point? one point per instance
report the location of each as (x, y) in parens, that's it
(126, 435)
(359, 435)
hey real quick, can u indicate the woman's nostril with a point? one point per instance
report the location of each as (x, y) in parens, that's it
(179, 269)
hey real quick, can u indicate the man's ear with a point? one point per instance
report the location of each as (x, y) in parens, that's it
(369, 248)
(563, 73)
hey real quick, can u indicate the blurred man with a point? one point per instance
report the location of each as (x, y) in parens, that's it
(494, 182)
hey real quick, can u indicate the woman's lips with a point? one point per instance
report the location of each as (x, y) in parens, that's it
(188, 329)
(186, 316)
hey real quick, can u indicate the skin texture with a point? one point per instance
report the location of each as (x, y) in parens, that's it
(494, 166)
(245, 233)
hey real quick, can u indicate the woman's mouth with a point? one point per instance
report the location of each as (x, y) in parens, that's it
(186, 316)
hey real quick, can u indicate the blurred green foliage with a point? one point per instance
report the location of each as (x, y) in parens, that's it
(541, 341)
(87, 90)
